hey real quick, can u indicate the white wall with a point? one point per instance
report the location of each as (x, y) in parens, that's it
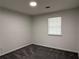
(78, 31)
(15, 31)
(67, 41)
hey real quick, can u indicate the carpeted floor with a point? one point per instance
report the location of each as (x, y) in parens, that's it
(40, 52)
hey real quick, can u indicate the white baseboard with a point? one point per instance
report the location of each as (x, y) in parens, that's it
(58, 48)
(14, 49)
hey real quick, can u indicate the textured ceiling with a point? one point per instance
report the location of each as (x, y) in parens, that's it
(23, 5)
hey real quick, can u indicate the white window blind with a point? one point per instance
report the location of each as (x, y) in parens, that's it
(54, 26)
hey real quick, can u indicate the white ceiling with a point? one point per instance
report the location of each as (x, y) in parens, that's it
(23, 5)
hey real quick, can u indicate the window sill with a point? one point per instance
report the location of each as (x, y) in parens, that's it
(55, 35)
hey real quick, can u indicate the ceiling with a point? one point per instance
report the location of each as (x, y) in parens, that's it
(23, 5)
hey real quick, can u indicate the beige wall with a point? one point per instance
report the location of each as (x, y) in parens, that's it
(67, 41)
(15, 31)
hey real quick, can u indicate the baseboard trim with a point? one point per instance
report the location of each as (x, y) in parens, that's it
(12, 50)
(34, 45)
(57, 48)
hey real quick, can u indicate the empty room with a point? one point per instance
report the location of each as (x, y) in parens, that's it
(39, 29)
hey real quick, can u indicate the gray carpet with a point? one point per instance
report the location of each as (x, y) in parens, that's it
(40, 52)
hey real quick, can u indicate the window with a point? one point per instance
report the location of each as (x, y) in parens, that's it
(54, 26)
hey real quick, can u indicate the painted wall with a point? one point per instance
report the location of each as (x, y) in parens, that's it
(67, 41)
(15, 31)
(78, 30)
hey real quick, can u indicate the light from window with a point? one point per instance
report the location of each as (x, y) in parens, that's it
(54, 26)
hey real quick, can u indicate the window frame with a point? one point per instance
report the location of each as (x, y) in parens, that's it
(61, 27)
